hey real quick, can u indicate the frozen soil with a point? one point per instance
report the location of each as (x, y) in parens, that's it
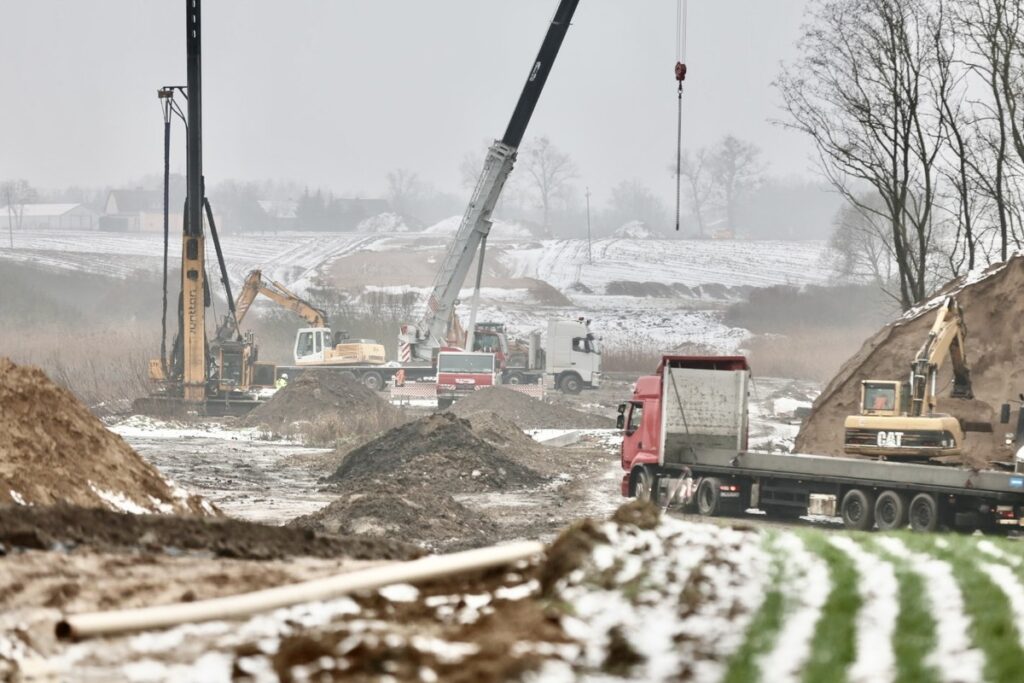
(323, 406)
(440, 452)
(574, 612)
(530, 413)
(65, 527)
(53, 450)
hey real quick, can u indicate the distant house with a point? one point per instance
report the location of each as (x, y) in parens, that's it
(138, 211)
(50, 217)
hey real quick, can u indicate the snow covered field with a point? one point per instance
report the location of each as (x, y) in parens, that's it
(690, 262)
(297, 259)
(637, 600)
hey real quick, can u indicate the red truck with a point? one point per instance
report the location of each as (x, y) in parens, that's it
(685, 429)
(462, 372)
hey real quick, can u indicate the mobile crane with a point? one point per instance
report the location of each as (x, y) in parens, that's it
(897, 419)
(423, 340)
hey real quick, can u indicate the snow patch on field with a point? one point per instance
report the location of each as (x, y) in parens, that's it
(688, 262)
(954, 657)
(805, 585)
(1006, 579)
(876, 619)
(692, 634)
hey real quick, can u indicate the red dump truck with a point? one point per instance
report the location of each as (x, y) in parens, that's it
(685, 430)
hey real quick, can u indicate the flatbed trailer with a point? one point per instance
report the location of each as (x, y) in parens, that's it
(685, 430)
(374, 377)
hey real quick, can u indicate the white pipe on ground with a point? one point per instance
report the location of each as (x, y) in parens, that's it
(234, 606)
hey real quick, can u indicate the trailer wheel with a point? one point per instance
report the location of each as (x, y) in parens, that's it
(891, 511)
(709, 497)
(373, 381)
(924, 513)
(645, 484)
(858, 510)
(571, 383)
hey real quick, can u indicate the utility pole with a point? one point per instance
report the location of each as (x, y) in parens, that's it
(590, 251)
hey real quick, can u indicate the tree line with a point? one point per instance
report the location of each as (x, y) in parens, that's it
(915, 111)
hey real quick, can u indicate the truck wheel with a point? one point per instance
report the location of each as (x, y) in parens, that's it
(709, 497)
(645, 485)
(515, 378)
(891, 511)
(373, 381)
(858, 510)
(924, 513)
(444, 403)
(348, 376)
(571, 384)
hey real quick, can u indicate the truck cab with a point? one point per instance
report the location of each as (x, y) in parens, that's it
(573, 358)
(705, 392)
(462, 372)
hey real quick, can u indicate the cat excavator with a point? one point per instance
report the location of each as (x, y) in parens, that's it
(897, 419)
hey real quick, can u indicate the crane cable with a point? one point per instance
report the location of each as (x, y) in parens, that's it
(680, 72)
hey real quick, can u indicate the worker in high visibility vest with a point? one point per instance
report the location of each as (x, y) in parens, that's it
(282, 381)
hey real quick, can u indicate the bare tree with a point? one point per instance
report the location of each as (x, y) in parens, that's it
(736, 169)
(16, 193)
(404, 188)
(862, 245)
(862, 92)
(549, 170)
(700, 185)
(630, 201)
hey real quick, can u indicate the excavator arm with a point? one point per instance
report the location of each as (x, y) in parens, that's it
(945, 340)
(276, 292)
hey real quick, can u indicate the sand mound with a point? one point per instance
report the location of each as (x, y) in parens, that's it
(993, 310)
(409, 515)
(323, 400)
(53, 450)
(440, 452)
(528, 413)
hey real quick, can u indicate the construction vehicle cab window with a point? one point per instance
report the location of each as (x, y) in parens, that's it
(879, 397)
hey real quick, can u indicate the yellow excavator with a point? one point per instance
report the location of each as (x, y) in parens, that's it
(314, 345)
(897, 419)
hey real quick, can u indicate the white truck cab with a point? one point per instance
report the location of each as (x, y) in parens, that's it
(573, 359)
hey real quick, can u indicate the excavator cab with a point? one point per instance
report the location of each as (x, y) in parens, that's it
(884, 398)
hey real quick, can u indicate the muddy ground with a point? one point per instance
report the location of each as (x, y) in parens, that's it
(141, 562)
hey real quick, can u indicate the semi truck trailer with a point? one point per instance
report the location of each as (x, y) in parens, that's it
(685, 428)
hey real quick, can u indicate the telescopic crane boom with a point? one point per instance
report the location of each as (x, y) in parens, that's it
(420, 341)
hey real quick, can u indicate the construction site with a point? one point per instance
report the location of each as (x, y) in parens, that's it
(475, 448)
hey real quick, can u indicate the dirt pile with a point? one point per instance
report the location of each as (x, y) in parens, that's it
(528, 413)
(407, 515)
(53, 450)
(993, 309)
(44, 528)
(324, 406)
(400, 485)
(440, 452)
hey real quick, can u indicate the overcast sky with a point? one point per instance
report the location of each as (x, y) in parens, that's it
(335, 93)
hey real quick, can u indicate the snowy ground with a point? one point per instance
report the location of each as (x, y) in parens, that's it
(298, 259)
(736, 605)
